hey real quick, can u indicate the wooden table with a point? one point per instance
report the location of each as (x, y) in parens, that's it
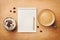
(43, 33)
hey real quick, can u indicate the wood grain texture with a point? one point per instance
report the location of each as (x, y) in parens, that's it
(48, 33)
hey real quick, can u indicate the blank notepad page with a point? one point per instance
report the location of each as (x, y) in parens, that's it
(26, 19)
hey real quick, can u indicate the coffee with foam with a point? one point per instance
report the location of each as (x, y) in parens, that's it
(46, 17)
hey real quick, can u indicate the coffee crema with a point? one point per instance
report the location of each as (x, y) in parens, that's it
(46, 17)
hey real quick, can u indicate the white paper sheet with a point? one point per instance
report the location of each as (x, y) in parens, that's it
(26, 19)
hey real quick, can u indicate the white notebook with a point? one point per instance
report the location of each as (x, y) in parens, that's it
(26, 19)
